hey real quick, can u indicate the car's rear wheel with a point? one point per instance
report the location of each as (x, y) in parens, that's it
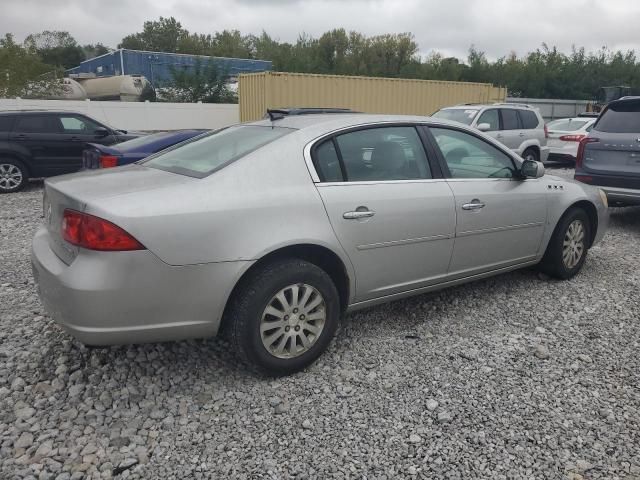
(568, 247)
(13, 175)
(531, 154)
(284, 316)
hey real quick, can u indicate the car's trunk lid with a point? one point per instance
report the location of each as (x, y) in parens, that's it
(613, 153)
(77, 190)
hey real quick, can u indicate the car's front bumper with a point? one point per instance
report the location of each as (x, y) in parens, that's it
(109, 298)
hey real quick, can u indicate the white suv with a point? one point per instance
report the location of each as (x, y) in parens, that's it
(519, 127)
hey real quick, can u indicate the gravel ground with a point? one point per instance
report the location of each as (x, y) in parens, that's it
(509, 378)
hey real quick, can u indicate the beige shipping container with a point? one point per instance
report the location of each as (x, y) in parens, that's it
(259, 91)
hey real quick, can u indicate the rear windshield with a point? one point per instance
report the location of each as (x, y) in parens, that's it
(460, 115)
(567, 125)
(211, 152)
(620, 118)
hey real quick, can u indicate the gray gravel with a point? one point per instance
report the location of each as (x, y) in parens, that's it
(513, 377)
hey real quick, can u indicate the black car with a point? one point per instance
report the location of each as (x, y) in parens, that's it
(35, 144)
(609, 157)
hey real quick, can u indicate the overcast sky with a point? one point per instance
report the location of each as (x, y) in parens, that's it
(448, 26)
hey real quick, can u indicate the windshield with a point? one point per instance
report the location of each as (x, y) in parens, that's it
(211, 152)
(623, 117)
(461, 115)
(567, 125)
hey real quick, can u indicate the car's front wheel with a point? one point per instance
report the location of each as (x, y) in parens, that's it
(13, 175)
(284, 316)
(568, 247)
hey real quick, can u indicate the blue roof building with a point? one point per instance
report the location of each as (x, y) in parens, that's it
(156, 66)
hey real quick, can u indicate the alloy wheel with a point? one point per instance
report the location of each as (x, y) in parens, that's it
(573, 245)
(293, 321)
(10, 176)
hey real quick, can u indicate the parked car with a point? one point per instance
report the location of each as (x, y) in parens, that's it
(517, 126)
(103, 156)
(565, 135)
(610, 155)
(39, 143)
(271, 230)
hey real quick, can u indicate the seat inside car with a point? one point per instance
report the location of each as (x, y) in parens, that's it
(389, 162)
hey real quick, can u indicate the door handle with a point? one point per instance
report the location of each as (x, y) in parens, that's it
(20, 136)
(358, 214)
(475, 204)
(499, 135)
(76, 139)
(522, 134)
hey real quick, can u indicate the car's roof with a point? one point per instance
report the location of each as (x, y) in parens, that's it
(478, 106)
(342, 120)
(38, 111)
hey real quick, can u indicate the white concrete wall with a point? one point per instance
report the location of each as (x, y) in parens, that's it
(139, 115)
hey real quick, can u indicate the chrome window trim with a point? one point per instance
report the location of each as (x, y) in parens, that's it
(383, 123)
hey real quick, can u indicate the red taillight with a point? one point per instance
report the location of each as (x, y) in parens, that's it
(583, 178)
(581, 147)
(572, 138)
(546, 131)
(108, 161)
(95, 233)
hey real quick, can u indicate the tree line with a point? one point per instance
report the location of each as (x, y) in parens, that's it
(543, 73)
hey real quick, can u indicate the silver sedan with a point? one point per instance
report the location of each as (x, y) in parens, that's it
(272, 230)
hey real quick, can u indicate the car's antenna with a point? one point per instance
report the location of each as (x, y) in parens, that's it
(275, 114)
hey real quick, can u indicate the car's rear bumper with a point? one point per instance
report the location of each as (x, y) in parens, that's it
(109, 298)
(626, 196)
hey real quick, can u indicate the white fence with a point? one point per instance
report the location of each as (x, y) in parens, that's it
(550, 108)
(139, 115)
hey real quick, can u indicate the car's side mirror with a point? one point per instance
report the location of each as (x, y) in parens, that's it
(531, 169)
(101, 132)
(484, 127)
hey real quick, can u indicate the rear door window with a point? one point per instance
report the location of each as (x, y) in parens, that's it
(620, 118)
(528, 119)
(510, 119)
(327, 162)
(382, 154)
(36, 124)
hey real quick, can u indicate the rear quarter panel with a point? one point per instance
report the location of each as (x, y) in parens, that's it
(259, 203)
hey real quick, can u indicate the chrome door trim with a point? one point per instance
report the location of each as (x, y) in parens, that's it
(378, 182)
(407, 241)
(500, 229)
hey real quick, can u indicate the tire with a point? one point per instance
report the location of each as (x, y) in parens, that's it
(555, 263)
(13, 175)
(531, 154)
(257, 335)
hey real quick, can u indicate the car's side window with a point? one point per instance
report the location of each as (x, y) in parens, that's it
(509, 119)
(468, 156)
(327, 162)
(73, 124)
(35, 124)
(529, 119)
(383, 153)
(492, 118)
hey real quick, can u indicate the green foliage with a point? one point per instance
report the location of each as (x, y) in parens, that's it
(203, 82)
(23, 74)
(58, 49)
